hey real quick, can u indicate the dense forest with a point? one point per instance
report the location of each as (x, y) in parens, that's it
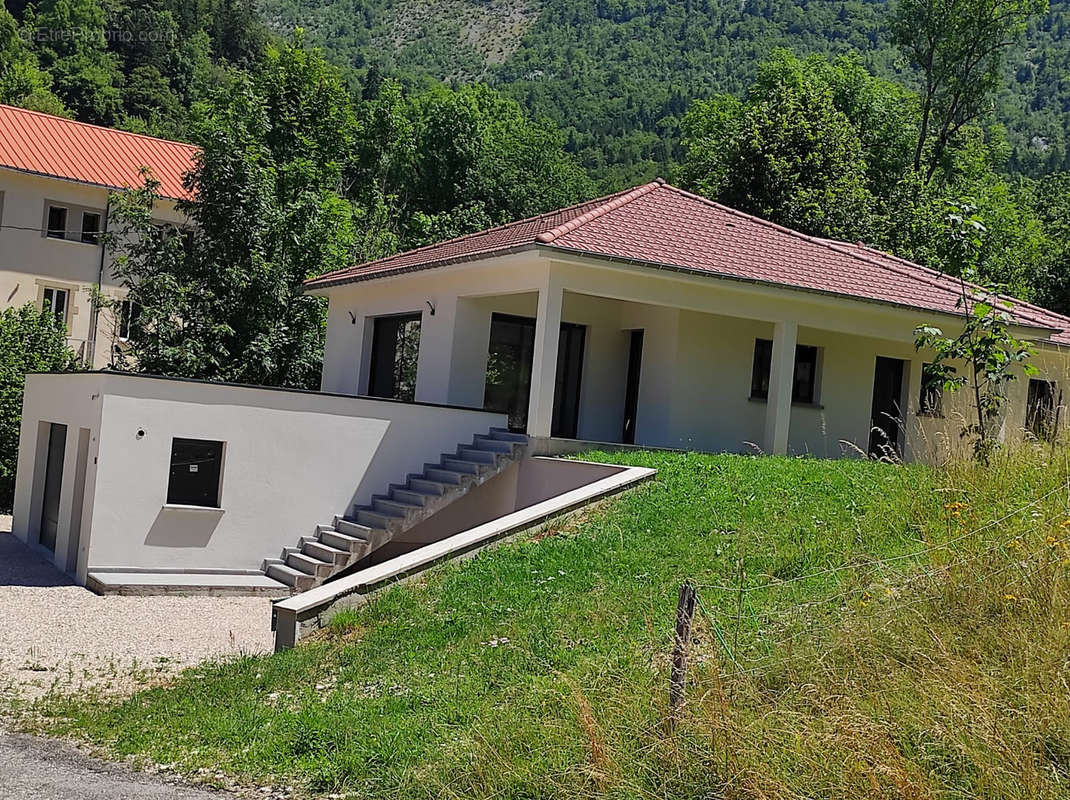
(419, 121)
(618, 75)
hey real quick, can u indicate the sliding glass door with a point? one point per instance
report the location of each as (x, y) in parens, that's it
(508, 386)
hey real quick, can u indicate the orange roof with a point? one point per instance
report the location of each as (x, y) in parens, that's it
(62, 148)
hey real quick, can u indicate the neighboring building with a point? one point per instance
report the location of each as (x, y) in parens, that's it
(652, 317)
(55, 179)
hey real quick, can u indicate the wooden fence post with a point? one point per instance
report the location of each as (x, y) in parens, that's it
(685, 614)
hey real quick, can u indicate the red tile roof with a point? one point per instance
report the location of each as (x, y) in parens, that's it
(663, 226)
(62, 148)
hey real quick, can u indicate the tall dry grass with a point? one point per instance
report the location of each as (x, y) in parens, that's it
(949, 679)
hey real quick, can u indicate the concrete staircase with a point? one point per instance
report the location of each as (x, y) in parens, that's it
(350, 538)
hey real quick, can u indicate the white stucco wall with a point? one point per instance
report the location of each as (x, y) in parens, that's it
(699, 337)
(291, 460)
(30, 261)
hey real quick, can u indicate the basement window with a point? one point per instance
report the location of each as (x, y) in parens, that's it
(804, 382)
(196, 469)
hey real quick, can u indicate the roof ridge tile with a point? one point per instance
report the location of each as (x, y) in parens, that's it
(547, 237)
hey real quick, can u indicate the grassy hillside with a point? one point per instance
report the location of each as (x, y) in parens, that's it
(620, 73)
(904, 635)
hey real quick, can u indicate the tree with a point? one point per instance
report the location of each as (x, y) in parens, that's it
(70, 37)
(1051, 200)
(475, 160)
(30, 341)
(959, 47)
(786, 153)
(22, 82)
(223, 299)
(984, 344)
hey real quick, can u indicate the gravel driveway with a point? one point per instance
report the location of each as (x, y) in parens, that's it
(55, 635)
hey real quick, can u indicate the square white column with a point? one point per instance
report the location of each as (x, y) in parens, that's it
(781, 379)
(544, 361)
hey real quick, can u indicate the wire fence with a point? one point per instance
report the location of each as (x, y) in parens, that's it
(753, 638)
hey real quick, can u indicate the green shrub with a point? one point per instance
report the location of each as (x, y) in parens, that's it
(30, 341)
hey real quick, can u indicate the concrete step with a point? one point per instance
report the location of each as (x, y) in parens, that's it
(478, 456)
(506, 435)
(412, 496)
(378, 519)
(309, 565)
(496, 445)
(291, 577)
(437, 472)
(356, 547)
(418, 483)
(399, 508)
(324, 552)
(465, 467)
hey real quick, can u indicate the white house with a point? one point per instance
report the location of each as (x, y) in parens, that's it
(651, 317)
(55, 179)
(656, 317)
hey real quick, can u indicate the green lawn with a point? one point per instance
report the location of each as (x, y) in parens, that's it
(540, 668)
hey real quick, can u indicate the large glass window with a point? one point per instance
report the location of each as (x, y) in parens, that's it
(196, 468)
(508, 386)
(395, 351)
(804, 383)
(509, 359)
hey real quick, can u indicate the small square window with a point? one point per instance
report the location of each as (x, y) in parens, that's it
(90, 227)
(804, 380)
(57, 222)
(196, 468)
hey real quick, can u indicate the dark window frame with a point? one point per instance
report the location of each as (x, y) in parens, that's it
(931, 398)
(188, 457)
(51, 231)
(392, 385)
(1041, 408)
(123, 317)
(91, 235)
(804, 393)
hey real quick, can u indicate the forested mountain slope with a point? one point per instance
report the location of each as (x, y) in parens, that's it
(619, 74)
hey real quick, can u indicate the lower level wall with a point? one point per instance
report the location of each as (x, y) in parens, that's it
(291, 460)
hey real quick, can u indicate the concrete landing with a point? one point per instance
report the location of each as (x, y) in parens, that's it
(179, 583)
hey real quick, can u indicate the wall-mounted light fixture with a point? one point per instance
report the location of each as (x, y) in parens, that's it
(432, 307)
(352, 318)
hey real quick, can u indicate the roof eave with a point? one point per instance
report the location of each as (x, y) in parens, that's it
(705, 273)
(318, 286)
(321, 289)
(67, 179)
